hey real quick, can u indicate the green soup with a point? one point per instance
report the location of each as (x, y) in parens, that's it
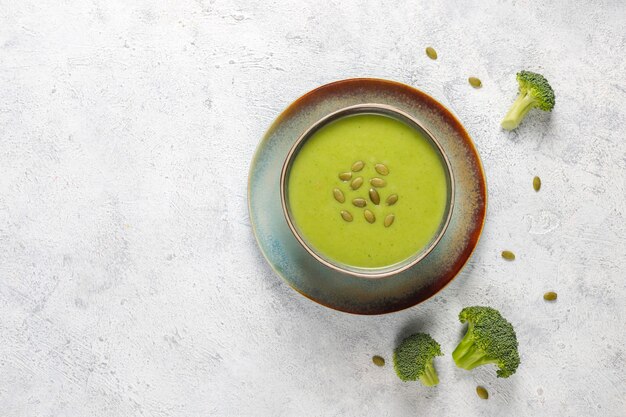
(409, 166)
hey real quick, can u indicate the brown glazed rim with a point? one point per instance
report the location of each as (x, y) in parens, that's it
(311, 98)
(367, 108)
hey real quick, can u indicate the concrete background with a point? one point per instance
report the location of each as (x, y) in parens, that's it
(130, 282)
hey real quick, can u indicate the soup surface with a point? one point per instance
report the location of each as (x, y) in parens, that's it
(346, 212)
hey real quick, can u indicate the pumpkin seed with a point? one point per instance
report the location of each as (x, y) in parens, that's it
(338, 194)
(359, 202)
(389, 220)
(369, 216)
(432, 54)
(482, 392)
(508, 255)
(392, 199)
(346, 215)
(374, 196)
(345, 176)
(378, 360)
(550, 296)
(378, 182)
(475, 82)
(537, 183)
(357, 166)
(382, 169)
(356, 183)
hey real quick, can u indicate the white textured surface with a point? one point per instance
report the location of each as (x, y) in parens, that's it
(130, 283)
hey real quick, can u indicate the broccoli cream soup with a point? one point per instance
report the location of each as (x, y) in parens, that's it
(367, 191)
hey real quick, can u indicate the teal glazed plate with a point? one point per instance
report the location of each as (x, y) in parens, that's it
(333, 288)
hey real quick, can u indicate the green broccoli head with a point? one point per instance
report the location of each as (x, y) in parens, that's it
(413, 359)
(534, 92)
(490, 338)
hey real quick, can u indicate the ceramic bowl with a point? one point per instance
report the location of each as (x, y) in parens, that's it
(336, 289)
(367, 108)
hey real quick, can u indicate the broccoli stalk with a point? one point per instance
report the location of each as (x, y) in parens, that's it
(534, 92)
(429, 378)
(467, 355)
(521, 106)
(490, 338)
(413, 359)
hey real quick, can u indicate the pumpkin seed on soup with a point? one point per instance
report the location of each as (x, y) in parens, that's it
(475, 82)
(345, 176)
(338, 194)
(382, 169)
(508, 255)
(357, 166)
(346, 215)
(374, 196)
(392, 199)
(430, 51)
(482, 392)
(537, 183)
(356, 183)
(359, 202)
(378, 182)
(369, 216)
(389, 220)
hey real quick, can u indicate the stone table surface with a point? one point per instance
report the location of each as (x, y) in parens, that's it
(130, 281)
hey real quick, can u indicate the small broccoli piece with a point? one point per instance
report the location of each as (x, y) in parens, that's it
(534, 91)
(490, 338)
(413, 359)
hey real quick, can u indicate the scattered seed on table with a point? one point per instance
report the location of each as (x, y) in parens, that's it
(430, 51)
(378, 360)
(508, 255)
(482, 392)
(537, 183)
(550, 296)
(475, 82)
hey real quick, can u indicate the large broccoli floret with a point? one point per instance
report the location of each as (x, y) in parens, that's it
(534, 91)
(490, 338)
(413, 359)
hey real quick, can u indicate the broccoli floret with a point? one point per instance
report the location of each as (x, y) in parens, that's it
(534, 91)
(490, 338)
(413, 359)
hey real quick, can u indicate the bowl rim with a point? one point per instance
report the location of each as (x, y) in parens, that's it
(368, 108)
